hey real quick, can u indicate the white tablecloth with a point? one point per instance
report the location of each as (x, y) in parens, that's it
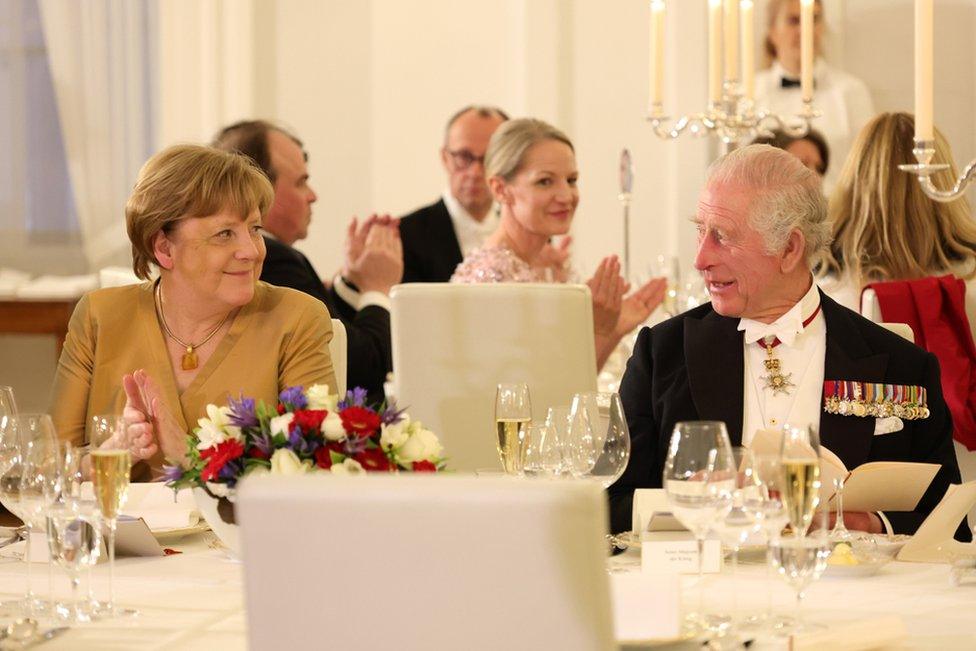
(194, 600)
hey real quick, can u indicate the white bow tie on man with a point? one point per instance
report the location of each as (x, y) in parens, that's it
(786, 328)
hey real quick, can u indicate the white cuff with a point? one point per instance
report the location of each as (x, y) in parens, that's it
(375, 298)
(345, 292)
(885, 523)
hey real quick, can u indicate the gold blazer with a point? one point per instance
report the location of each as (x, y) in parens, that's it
(280, 339)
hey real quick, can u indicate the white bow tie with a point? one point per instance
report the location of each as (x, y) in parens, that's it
(786, 329)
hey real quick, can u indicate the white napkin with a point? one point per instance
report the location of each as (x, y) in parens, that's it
(871, 633)
(57, 286)
(153, 502)
(645, 606)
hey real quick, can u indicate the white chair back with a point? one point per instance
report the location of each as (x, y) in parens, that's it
(871, 310)
(453, 344)
(339, 351)
(424, 562)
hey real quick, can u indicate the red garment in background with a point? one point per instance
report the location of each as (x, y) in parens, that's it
(935, 308)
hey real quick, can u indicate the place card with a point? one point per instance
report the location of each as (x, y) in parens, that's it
(645, 606)
(132, 538)
(677, 552)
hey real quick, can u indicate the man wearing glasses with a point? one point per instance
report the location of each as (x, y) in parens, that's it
(437, 237)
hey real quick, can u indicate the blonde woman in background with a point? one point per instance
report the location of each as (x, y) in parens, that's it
(844, 99)
(885, 228)
(531, 171)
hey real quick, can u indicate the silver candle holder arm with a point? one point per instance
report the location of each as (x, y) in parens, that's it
(924, 152)
(733, 120)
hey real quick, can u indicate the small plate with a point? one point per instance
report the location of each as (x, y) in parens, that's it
(180, 532)
(863, 568)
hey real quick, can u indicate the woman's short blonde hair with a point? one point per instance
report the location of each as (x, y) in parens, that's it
(189, 181)
(510, 142)
(884, 227)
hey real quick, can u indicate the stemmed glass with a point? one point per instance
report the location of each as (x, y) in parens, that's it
(542, 456)
(110, 470)
(600, 424)
(513, 412)
(74, 537)
(557, 418)
(769, 476)
(800, 556)
(744, 517)
(698, 475)
(37, 474)
(840, 533)
(670, 268)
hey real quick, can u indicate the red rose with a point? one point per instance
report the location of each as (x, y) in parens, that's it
(218, 456)
(281, 409)
(309, 421)
(359, 421)
(373, 460)
(424, 466)
(258, 453)
(323, 458)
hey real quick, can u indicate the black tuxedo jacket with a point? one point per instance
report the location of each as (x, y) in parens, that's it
(691, 368)
(367, 330)
(431, 251)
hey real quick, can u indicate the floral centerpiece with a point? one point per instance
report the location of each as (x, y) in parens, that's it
(306, 431)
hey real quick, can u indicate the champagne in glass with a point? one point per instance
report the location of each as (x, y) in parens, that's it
(513, 412)
(800, 460)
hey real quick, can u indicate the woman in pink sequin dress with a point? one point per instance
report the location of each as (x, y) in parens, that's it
(531, 170)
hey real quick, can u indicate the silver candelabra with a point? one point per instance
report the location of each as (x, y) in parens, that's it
(924, 152)
(733, 120)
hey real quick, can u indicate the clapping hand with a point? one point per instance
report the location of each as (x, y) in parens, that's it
(374, 253)
(555, 258)
(607, 287)
(636, 308)
(149, 423)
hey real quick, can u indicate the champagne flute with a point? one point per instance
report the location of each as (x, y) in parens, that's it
(800, 458)
(840, 532)
(698, 472)
(74, 536)
(609, 436)
(513, 412)
(110, 469)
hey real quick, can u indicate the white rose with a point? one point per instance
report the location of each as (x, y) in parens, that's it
(216, 428)
(319, 397)
(286, 462)
(395, 435)
(421, 446)
(348, 467)
(280, 424)
(256, 471)
(218, 490)
(332, 427)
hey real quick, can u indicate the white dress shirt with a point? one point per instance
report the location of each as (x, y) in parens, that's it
(801, 353)
(471, 233)
(844, 100)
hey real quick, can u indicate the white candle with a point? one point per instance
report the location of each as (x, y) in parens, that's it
(923, 70)
(806, 49)
(657, 55)
(714, 51)
(731, 40)
(748, 50)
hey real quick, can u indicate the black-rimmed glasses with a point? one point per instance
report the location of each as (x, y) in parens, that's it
(463, 159)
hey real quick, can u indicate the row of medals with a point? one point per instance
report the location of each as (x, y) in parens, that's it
(880, 409)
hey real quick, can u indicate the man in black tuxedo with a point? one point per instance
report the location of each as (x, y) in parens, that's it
(359, 296)
(437, 237)
(761, 220)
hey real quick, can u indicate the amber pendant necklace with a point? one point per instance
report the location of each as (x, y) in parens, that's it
(189, 361)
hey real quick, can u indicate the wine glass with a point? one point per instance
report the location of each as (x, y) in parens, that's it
(603, 415)
(744, 518)
(770, 478)
(670, 268)
(38, 485)
(74, 538)
(698, 474)
(557, 418)
(110, 469)
(513, 412)
(8, 436)
(542, 456)
(801, 559)
(800, 458)
(840, 533)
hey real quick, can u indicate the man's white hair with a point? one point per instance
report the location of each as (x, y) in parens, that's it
(786, 195)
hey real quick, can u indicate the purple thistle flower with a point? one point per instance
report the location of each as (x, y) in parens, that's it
(294, 397)
(172, 473)
(230, 471)
(354, 398)
(242, 412)
(391, 414)
(354, 445)
(263, 442)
